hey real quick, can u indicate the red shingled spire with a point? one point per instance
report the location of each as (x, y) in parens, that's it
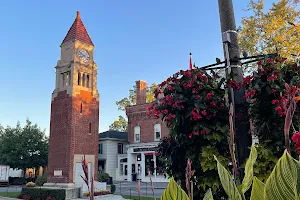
(78, 32)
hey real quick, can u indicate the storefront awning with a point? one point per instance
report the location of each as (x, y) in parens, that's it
(151, 153)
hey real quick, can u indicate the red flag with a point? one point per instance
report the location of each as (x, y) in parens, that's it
(191, 65)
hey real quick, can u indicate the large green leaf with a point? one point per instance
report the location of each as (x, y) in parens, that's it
(208, 195)
(174, 192)
(282, 183)
(227, 182)
(257, 192)
(247, 181)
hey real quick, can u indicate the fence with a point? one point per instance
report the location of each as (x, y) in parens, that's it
(131, 189)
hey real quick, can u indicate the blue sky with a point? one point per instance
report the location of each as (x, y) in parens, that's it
(134, 39)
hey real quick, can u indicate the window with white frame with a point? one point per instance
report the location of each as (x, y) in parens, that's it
(137, 133)
(120, 148)
(157, 132)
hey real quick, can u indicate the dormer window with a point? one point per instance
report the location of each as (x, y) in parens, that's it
(157, 132)
(137, 133)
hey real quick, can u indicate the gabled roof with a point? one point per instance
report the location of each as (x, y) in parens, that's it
(114, 135)
(78, 32)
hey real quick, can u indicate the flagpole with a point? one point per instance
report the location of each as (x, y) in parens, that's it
(191, 64)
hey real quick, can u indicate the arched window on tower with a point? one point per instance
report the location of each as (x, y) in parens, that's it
(79, 78)
(83, 80)
(88, 81)
(80, 108)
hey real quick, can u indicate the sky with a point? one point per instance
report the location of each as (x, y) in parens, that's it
(134, 40)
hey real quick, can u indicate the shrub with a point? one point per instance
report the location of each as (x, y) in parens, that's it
(43, 194)
(30, 184)
(103, 177)
(97, 193)
(41, 180)
(112, 189)
(193, 106)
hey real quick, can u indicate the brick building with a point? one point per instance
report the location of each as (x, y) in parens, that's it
(74, 124)
(144, 134)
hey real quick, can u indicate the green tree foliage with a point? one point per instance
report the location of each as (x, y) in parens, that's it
(121, 123)
(276, 30)
(23, 147)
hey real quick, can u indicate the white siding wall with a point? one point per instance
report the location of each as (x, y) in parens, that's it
(110, 149)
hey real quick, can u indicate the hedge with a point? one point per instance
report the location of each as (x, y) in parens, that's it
(43, 193)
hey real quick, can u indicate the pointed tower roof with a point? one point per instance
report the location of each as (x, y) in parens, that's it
(78, 32)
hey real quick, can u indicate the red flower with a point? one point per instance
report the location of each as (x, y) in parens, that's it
(196, 115)
(164, 111)
(259, 63)
(197, 97)
(213, 104)
(204, 113)
(170, 116)
(275, 101)
(269, 60)
(210, 95)
(190, 135)
(170, 87)
(279, 110)
(296, 139)
(273, 90)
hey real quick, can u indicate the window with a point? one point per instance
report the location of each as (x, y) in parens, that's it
(63, 79)
(90, 127)
(120, 148)
(100, 148)
(157, 131)
(83, 80)
(81, 108)
(69, 78)
(137, 132)
(88, 81)
(79, 78)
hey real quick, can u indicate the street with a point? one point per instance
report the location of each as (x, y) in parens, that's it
(130, 188)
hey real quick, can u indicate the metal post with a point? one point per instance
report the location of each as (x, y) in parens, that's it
(234, 70)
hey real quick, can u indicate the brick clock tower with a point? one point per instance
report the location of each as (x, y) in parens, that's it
(74, 125)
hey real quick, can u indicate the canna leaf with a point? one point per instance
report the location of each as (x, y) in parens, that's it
(208, 195)
(282, 183)
(257, 192)
(247, 181)
(174, 192)
(227, 182)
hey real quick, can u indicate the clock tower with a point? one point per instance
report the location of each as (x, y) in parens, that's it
(74, 125)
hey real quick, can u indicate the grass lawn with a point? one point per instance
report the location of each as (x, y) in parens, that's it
(9, 194)
(136, 198)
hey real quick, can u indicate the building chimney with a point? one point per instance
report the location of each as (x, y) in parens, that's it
(141, 87)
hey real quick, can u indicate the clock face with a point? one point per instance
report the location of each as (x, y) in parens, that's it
(83, 55)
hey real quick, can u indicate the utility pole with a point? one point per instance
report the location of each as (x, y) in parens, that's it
(234, 70)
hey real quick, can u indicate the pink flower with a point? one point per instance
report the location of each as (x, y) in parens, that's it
(296, 139)
(170, 116)
(210, 95)
(164, 111)
(204, 113)
(197, 97)
(196, 115)
(275, 101)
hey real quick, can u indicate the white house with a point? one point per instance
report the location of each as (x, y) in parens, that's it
(111, 144)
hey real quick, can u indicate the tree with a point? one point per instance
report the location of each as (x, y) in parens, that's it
(121, 123)
(22, 148)
(276, 30)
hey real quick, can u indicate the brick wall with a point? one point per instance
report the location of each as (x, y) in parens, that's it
(69, 133)
(137, 116)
